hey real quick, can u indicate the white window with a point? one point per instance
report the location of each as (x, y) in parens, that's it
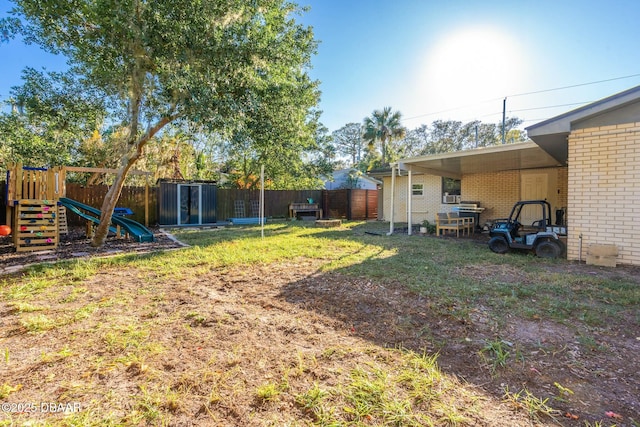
(451, 186)
(417, 189)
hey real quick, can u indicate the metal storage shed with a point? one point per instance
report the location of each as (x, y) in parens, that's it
(182, 202)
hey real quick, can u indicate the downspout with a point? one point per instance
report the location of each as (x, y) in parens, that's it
(409, 207)
(393, 188)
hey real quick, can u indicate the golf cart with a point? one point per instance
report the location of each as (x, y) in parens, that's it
(540, 236)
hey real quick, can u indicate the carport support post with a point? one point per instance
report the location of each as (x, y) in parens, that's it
(393, 189)
(409, 207)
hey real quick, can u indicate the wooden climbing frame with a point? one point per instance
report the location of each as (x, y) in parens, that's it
(35, 225)
(32, 206)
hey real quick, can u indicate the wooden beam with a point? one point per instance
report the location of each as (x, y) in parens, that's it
(103, 170)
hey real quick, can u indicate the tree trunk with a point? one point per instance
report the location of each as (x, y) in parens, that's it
(112, 196)
(384, 150)
(110, 201)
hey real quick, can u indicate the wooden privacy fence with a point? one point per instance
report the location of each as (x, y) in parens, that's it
(276, 202)
(346, 204)
(131, 197)
(352, 204)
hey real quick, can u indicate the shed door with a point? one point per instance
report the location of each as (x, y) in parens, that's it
(533, 186)
(189, 200)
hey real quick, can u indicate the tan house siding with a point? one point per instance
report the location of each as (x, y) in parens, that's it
(423, 207)
(604, 190)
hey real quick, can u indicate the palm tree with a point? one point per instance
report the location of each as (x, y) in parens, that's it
(384, 126)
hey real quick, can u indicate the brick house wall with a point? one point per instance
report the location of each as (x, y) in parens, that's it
(498, 191)
(604, 190)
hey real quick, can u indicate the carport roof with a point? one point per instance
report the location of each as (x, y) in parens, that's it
(523, 155)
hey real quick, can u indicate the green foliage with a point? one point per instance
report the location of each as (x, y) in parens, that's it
(383, 126)
(431, 228)
(6, 390)
(348, 141)
(535, 407)
(443, 136)
(267, 392)
(49, 117)
(230, 67)
(498, 352)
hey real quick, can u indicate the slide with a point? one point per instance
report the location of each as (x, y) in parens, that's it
(139, 232)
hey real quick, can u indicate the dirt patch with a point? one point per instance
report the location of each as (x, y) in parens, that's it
(237, 329)
(75, 244)
(604, 379)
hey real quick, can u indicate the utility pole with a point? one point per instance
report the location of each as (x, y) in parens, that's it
(476, 136)
(504, 110)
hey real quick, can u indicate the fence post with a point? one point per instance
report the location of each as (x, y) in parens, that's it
(146, 202)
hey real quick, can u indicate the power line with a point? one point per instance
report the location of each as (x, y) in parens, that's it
(524, 94)
(551, 106)
(496, 113)
(572, 86)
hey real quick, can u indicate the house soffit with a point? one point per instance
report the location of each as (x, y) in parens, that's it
(526, 155)
(552, 134)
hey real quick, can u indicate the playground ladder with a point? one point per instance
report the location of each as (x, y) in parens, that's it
(62, 220)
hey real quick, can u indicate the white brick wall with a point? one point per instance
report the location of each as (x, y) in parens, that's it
(423, 207)
(604, 190)
(495, 191)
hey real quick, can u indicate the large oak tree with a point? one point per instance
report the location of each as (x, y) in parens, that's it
(215, 65)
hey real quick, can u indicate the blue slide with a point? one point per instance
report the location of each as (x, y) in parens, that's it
(139, 232)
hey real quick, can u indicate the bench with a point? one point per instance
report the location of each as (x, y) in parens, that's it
(296, 208)
(452, 222)
(468, 222)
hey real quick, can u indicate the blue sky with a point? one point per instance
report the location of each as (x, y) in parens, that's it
(449, 60)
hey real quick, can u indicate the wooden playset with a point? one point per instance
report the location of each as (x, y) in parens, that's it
(37, 206)
(32, 206)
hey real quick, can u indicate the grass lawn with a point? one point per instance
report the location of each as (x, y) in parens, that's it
(314, 326)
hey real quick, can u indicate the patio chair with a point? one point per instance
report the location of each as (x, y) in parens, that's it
(444, 223)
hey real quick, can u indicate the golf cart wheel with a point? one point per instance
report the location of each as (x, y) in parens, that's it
(548, 249)
(499, 245)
